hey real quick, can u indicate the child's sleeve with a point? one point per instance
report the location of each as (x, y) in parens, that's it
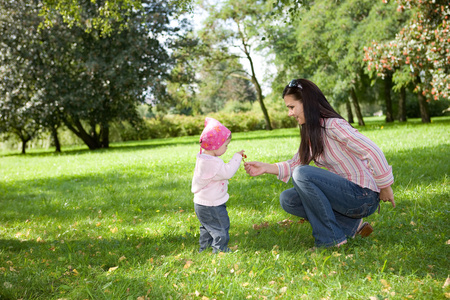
(228, 170)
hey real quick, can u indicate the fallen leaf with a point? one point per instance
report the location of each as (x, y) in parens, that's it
(446, 283)
(245, 284)
(112, 269)
(285, 223)
(283, 289)
(7, 285)
(384, 282)
(262, 225)
(188, 264)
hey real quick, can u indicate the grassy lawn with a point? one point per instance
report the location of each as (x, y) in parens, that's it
(120, 224)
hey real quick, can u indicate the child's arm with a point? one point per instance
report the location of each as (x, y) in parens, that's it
(228, 170)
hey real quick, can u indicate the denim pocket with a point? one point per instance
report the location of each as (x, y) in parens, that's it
(369, 204)
(360, 212)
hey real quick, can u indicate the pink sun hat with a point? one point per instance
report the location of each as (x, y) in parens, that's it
(214, 135)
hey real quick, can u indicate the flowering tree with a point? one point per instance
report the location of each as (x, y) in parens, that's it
(419, 54)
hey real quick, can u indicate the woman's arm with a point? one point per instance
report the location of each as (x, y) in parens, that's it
(363, 148)
(256, 168)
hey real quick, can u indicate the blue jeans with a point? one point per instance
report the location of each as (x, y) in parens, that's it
(214, 227)
(333, 205)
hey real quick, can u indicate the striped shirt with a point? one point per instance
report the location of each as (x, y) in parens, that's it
(348, 154)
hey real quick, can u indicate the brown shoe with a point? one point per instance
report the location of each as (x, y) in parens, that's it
(365, 230)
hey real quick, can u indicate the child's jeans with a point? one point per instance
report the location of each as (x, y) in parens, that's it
(333, 205)
(214, 227)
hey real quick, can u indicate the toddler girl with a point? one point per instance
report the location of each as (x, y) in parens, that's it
(210, 185)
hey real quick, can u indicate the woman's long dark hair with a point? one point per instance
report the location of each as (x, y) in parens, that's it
(315, 108)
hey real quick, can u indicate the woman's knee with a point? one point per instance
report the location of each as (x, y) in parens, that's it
(285, 197)
(288, 199)
(302, 174)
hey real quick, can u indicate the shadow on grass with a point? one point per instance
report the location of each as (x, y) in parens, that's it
(410, 238)
(141, 191)
(156, 143)
(193, 140)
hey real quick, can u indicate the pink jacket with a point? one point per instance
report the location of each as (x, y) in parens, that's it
(349, 154)
(210, 182)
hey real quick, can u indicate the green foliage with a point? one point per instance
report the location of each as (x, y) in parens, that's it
(179, 125)
(233, 29)
(419, 53)
(108, 12)
(84, 79)
(234, 106)
(119, 223)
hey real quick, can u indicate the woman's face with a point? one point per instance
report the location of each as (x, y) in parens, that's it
(295, 109)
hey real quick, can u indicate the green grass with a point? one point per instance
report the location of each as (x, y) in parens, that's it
(120, 224)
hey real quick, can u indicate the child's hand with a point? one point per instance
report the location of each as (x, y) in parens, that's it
(242, 154)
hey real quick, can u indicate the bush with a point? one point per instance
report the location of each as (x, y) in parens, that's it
(436, 108)
(168, 126)
(180, 125)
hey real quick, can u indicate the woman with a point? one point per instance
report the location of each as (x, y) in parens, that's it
(334, 201)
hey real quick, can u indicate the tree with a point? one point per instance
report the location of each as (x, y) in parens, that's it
(236, 23)
(419, 53)
(110, 12)
(88, 80)
(219, 85)
(17, 110)
(329, 42)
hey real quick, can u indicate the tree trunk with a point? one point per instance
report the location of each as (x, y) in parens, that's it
(261, 102)
(246, 50)
(24, 146)
(387, 98)
(357, 108)
(423, 104)
(348, 106)
(24, 140)
(402, 105)
(424, 112)
(56, 139)
(104, 135)
(76, 127)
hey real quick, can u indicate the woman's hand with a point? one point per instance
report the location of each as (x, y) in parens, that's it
(254, 168)
(386, 194)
